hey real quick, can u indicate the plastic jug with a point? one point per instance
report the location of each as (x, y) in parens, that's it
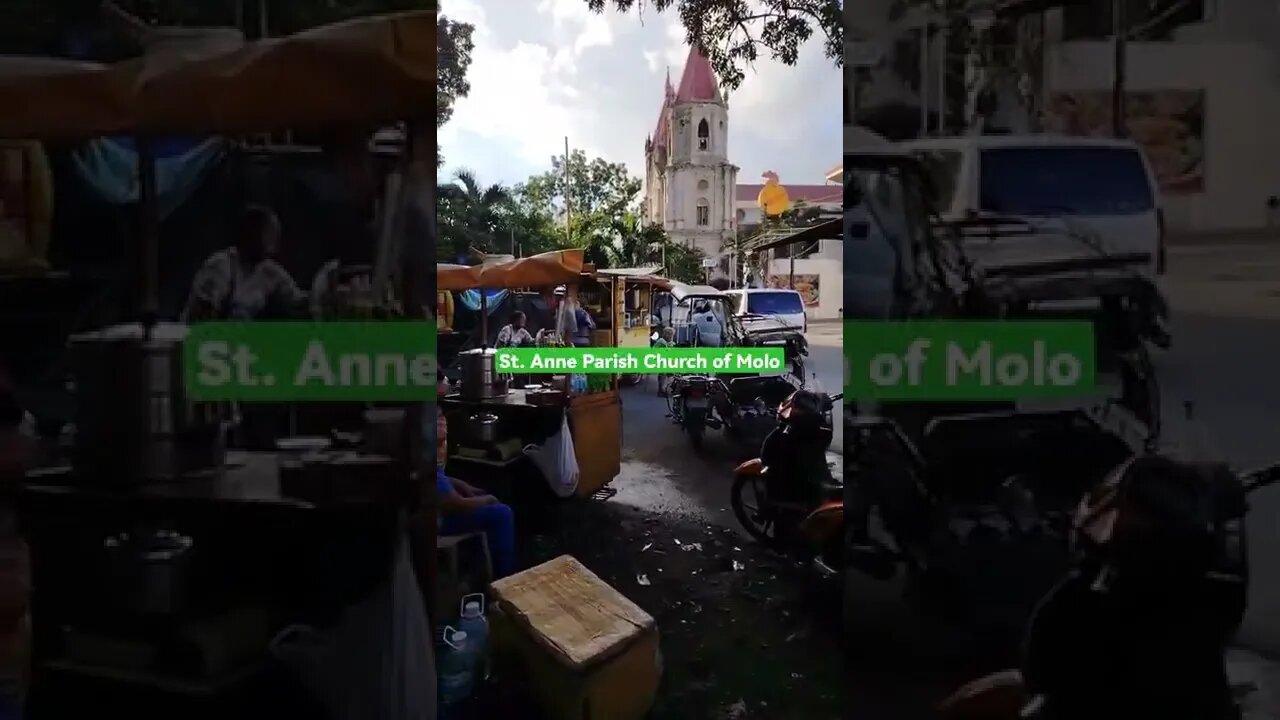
(457, 668)
(476, 626)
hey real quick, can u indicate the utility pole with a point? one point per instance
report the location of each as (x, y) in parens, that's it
(924, 79)
(568, 210)
(1120, 26)
(942, 79)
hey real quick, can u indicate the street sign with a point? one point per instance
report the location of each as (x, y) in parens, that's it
(710, 262)
(863, 54)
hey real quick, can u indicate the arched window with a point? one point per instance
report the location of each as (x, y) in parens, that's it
(704, 135)
(704, 212)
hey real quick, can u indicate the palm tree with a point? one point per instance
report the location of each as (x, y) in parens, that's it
(634, 244)
(470, 215)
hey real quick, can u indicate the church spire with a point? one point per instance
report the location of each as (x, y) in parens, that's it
(698, 82)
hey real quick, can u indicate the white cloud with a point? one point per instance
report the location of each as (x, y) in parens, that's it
(511, 101)
(549, 77)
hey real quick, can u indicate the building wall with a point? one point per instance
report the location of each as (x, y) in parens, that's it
(830, 275)
(1242, 111)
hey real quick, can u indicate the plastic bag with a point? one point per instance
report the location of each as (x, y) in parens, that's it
(377, 661)
(557, 461)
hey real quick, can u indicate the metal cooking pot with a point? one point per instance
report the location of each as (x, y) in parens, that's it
(150, 571)
(483, 428)
(133, 420)
(479, 374)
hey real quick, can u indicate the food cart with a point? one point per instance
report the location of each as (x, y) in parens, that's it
(165, 565)
(500, 420)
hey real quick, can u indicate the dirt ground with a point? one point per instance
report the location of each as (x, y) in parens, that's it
(745, 635)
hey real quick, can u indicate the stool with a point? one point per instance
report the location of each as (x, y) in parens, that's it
(449, 547)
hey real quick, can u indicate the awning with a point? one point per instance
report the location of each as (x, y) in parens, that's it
(827, 230)
(553, 268)
(1016, 9)
(320, 78)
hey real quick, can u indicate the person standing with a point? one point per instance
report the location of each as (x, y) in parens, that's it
(710, 329)
(664, 341)
(244, 281)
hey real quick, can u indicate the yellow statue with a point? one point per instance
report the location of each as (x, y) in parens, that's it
(773, 199)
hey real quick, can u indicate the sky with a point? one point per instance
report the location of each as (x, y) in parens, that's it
(546, 69)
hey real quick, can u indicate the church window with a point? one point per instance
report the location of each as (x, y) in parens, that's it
(704, 212)
(703, 184)
(704, 135)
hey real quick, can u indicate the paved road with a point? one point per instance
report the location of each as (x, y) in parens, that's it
(1227, 342)
(1226, 359)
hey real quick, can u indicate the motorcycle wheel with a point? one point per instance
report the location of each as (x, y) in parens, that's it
(695, 436)
(750, 511)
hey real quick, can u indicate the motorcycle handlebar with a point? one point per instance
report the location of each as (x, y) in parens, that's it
(1260, 478)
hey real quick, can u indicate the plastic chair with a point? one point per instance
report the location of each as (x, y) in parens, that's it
(449, 546)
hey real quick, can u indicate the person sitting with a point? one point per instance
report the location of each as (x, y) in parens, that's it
(467, 509)
(244, 281)
(514, 333)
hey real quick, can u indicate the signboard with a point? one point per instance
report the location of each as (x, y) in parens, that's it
(710, 262)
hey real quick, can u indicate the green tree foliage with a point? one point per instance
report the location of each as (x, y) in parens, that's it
(471, 217)
(595, 192)
(732, 33)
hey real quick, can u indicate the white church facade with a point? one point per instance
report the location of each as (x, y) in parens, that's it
(690, 186)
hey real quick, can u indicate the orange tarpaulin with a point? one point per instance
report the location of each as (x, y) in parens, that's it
(361, 72)
(553, 268)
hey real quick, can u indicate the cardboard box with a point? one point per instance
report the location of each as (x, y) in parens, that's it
(586, 652)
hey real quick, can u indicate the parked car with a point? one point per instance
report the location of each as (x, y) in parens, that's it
(1083, 198)
(785, 305)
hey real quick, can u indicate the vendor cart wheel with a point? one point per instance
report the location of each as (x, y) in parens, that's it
(749, 499)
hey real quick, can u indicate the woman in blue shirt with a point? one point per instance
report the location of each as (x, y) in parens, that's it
(466, 509)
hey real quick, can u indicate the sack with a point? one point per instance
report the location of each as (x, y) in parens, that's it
(377, 662)
(557, 461)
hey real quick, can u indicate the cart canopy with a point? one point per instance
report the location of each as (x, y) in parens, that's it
(362, 72)
(682, 292)
(554, 268)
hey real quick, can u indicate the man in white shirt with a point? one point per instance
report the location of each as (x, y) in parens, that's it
(244, 282)
(710, 329)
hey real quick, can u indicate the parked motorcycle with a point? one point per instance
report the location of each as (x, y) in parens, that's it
(744, 407)
(976, 513)
(1140, 624)
(783, 498)
(688, 404)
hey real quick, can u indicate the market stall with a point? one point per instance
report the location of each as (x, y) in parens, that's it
(165, 564)
(500, 421)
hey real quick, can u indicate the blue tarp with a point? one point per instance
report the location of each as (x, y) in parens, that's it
(493, 298)
(110, 167)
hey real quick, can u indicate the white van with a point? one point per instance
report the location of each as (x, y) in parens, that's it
(1067, 188)
(785, 305)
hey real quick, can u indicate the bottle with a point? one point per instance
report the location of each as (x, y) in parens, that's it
(476, 626)
(457, 668)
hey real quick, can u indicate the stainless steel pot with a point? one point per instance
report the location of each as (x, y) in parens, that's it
(133, 420)
(150, 571)
(483, 429)
(479, 374)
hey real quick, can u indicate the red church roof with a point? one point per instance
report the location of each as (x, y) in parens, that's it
(698, 83)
